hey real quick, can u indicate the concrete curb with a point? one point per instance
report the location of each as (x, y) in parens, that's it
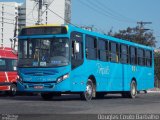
(150, 91)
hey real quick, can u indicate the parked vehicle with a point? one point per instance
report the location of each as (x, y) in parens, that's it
(8, 71)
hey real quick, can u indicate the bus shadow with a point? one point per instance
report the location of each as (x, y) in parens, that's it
(58, 98)
(77, 98)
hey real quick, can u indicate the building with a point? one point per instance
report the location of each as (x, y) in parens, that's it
(8, 14)
(53, 11)
(28, 12)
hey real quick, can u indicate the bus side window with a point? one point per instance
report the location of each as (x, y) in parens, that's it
(124, 53)
(102, 50)
(133, 55)
(140, 55)
(77, 57)
(148, 57)
(114, 52)
(91, 48)
(2, 65)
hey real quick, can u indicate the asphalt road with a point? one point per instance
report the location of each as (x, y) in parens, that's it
(71, 104)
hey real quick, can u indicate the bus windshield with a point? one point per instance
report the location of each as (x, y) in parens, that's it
(8, 64)
(43, 52)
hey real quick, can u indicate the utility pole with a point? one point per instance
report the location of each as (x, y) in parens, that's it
(2, 29)
(15, 33)
(141, 25)
(46, 4)
(141, 28)
(39, 12)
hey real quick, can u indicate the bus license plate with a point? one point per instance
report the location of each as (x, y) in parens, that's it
(38, 87)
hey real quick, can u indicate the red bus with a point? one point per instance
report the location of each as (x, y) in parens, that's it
(8, 71)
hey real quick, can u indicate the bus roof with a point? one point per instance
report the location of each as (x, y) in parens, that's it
(74, 28)
(103, 36)
(6, 52)
(44, 25)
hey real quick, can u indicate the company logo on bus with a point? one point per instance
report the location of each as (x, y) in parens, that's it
(103, 70)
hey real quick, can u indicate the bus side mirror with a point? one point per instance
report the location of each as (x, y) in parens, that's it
(76, 47)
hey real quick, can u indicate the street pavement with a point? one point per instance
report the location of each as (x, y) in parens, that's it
(72, 104)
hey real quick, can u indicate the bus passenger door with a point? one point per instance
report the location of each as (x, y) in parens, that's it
(77, 59)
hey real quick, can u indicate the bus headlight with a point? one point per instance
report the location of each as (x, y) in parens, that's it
(60, 79)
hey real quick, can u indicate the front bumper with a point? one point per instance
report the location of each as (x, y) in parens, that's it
(5, 83)
(5, 86)
(43, 87)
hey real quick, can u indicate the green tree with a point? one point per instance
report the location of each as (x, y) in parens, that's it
(136, 34)
(142, 36)
(157, 68)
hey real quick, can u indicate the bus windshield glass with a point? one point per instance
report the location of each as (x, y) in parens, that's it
(43, 52)
(8, 64)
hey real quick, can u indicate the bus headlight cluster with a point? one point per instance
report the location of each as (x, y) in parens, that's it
(60, 79)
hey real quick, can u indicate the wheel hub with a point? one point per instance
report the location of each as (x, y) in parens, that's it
(89, 89)
(133, 89)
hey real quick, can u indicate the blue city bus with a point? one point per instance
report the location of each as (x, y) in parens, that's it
(59, 59)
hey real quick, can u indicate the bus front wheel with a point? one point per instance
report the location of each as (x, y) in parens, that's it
(46, 96)
(89, 92)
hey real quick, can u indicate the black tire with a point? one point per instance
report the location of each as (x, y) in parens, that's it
(133, 89)
(145, 91)
(88, 94)
(13, 90)
(125, 94)
(100, 95)
(57, 94)
(47, 96)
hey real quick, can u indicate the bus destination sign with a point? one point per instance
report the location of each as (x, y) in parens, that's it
(43, 31)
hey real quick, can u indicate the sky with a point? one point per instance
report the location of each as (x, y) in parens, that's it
(105, 15)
